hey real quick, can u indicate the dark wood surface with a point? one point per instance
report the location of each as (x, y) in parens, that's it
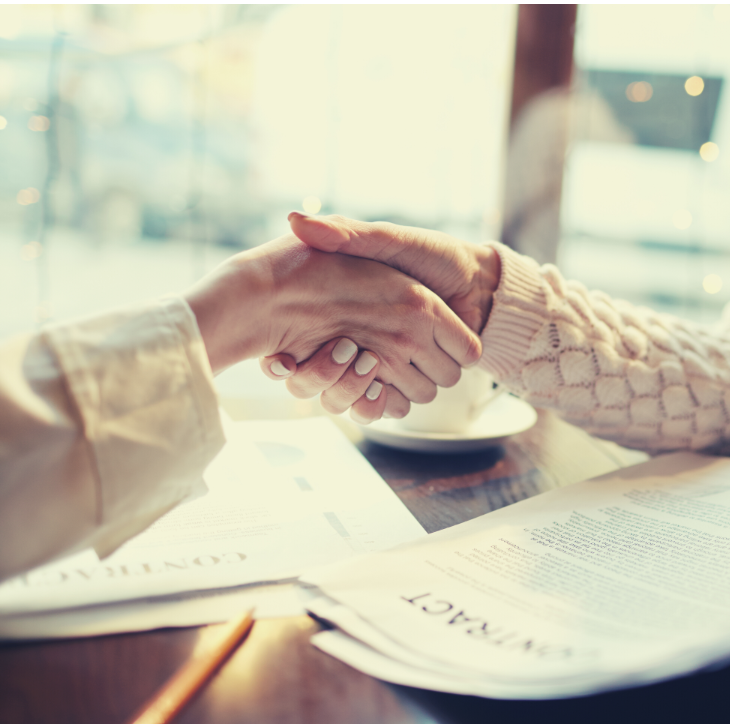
(277, 676)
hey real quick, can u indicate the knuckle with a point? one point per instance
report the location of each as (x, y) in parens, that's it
(296, 389)
(451, 378)
(473, 350)
(319, 379)
(386, 229)
(405, 340)
(348, 389)
(416, 297)
(425, 395)
(330, 406)
(398, 408)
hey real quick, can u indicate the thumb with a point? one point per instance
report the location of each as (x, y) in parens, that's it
(340, 234)
(317, 232)
(280, 366)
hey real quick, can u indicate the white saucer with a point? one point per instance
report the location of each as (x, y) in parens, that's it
(506, 416)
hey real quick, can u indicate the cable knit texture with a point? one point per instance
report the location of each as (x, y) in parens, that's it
(642, 379)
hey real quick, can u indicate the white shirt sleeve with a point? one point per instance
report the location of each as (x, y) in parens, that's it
(106, 424)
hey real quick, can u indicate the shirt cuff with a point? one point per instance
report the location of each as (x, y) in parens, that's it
(518, 313)
(141, 382)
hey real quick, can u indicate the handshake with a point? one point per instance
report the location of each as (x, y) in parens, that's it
(371, 316)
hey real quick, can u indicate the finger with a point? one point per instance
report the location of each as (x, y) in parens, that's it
(438, 260)
(323, 369)
(371, 405)
(462, 274)
(437, 366)
(411, 383)
(335, 233)
(396, 405)
(352, 385)
(454, 337)
(280, 366)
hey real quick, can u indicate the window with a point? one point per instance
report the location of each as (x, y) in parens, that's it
(645, 212)
(140, 145)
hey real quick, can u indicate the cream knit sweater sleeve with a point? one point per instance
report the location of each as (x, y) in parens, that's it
(643, 379)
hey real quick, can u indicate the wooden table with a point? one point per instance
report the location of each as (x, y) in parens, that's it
(277, 676)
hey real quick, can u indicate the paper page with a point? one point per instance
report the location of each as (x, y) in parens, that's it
(274, 600)
(587, 583)
(366, 648)
(283, 496)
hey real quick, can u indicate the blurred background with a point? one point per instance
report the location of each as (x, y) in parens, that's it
(140, 145)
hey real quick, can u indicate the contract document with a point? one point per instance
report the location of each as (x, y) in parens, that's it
(282, 496)
(617, 581)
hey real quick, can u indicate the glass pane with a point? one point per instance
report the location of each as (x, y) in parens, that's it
(645, 214)
(142, 144)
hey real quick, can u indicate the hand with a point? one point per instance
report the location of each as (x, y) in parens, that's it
(464, 275)
(333, 372)
(287, 297)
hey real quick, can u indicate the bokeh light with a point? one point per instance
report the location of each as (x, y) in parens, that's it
(639, 91)
(28, 196)
(709, 151)
(682, 219)
(712, 283)
(3, 122)
(694, 85)
(39, 123)
(311, 205)
(31, 251)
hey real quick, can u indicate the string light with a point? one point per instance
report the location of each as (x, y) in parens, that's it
(712, 284)
(709, 151)
(28, 196)
(39, 123)
(31, 251)
(639, 91)
(694, 85)
(311, 205)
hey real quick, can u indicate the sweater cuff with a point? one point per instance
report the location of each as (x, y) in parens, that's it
(518, 313)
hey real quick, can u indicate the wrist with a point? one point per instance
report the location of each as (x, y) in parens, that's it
(490, 272)
(232, 306)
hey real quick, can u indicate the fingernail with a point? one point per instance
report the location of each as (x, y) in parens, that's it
(278, 368)
(373, 391)
(365, 363)
(344, 351)
(359, 419)
(295, 214)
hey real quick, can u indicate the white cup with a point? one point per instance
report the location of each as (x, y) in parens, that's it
(455, 408)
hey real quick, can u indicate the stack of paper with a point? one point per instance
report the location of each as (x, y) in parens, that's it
(619, 581)
(283, 496)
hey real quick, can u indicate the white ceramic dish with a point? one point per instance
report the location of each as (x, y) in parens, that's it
(506, 416)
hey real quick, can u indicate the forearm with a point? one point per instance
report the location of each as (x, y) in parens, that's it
(624, 373)
(106, 424)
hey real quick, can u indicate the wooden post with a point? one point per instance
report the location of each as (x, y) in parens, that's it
(539, 127)
(543, 51)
